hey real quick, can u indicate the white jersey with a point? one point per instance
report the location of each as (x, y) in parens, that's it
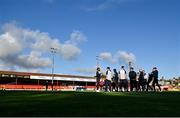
(137, 77)
(146, 77)
(109, 75)
(122, 74)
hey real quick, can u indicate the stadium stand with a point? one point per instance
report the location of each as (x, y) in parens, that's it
(12, 80)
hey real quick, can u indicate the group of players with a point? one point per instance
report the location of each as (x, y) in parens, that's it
(118, 81)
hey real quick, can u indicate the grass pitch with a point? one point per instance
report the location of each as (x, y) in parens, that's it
(37, 103)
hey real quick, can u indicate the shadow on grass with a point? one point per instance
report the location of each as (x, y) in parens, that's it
(40, 103)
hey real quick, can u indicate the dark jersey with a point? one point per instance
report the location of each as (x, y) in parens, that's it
(155, 74)
(132, 75)
(115, 78)
(98, 75)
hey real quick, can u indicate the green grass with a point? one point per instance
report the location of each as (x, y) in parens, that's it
(36, 103)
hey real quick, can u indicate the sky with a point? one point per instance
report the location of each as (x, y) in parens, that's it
(145, 32)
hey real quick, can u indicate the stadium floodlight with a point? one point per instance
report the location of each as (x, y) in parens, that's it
(53, 51)
(130, 65)
(97, 60)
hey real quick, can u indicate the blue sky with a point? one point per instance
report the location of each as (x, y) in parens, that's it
(148, 29)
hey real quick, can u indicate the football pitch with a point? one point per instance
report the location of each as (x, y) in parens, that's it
(41, 103)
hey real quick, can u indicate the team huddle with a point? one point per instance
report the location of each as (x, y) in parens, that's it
(118, 81)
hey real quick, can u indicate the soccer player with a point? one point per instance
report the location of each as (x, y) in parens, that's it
(150, 79)
(123, 79)
(132, 77)
(108, 79)
(155, 77)
(142, 80)
(115, 80)
(137, 81)
(98, 78)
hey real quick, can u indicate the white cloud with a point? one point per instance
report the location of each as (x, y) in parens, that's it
(17, 42)
(76, 38)
(69, 51)
(104, 5)
(120, 56)
(125, 56)
(33, 60)
(9, 45)
(107, 56)
(44, 43)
